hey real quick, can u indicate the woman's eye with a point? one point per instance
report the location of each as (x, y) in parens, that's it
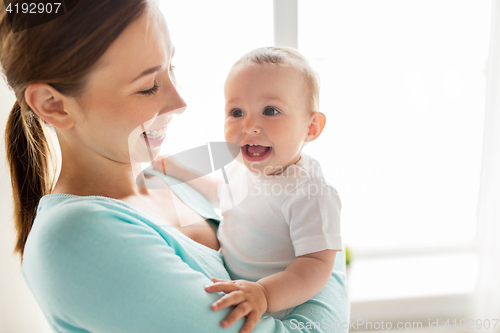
(237, 113)
(171, 68)
(151, 91)
(270, 111)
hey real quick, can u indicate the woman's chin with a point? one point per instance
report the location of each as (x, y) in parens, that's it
(143, 153)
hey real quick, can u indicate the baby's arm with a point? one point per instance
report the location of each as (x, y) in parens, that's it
(205, 185)
(302, 279)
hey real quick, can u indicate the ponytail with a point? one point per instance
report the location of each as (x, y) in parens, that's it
(61, 53)
(29, 156)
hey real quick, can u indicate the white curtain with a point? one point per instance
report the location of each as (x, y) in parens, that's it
(487, 298)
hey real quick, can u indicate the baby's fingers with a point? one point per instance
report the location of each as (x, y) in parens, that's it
(239, 312)
(252, 320)
(226, 287)
(214, 279)
(228, 300)
(165, 164)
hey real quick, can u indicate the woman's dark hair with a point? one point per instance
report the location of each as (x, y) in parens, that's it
(60, 53)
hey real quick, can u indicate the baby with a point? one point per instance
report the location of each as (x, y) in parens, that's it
(280, 241)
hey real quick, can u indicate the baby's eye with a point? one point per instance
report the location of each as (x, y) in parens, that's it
(269, 111)
(237, 113)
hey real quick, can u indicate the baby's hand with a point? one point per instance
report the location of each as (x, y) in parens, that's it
(163, 164)
(167, 165)
(250, 298)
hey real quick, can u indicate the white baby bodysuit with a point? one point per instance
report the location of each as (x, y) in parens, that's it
(276, 218)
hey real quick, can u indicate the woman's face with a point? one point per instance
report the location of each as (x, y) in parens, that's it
(131, 90)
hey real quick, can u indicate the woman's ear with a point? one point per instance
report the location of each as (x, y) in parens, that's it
(316, 125)
(48, 104)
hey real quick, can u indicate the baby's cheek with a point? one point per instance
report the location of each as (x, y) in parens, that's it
(228, 131)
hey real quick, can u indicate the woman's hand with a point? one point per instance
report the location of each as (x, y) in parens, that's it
(250, 298)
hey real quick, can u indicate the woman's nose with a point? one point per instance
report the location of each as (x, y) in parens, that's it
(174, 102)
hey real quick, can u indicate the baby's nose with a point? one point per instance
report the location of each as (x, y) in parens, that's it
(252, 131)
(251, 127)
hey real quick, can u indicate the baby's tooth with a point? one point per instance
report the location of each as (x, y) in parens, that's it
(160, 132)
(154, 132)
(148, 132)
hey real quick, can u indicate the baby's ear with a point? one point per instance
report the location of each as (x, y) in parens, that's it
(316, 124)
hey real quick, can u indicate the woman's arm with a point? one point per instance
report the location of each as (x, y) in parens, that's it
(97, 271)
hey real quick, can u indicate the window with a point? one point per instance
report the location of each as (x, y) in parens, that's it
(208, 41)
(403, 87)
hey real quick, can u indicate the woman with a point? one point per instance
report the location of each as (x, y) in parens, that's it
(95, 256)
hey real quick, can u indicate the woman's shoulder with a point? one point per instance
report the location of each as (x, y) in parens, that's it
(75, 214)
(71, 202)
(98, 229)
(72, 234)
(66, 223)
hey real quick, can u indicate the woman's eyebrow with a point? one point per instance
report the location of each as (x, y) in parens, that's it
(147, 72)
(153, 69)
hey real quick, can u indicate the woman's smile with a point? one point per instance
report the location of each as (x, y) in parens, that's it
(154, 137)
(155, 134)
(157, 131)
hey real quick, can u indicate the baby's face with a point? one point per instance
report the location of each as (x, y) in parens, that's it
(266, 115)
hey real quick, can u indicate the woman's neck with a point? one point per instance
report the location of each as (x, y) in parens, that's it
(87, 173)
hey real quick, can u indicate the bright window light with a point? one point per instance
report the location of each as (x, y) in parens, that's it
(403, 88)
(209, 36)
(412, 277)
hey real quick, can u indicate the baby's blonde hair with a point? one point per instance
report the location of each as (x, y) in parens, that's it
(281, 55)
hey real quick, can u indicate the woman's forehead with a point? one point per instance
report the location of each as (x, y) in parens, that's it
(142, 45)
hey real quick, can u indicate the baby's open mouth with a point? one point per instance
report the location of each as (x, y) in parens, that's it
(256, 150)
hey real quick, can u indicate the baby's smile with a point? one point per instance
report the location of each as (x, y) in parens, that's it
(255, 153)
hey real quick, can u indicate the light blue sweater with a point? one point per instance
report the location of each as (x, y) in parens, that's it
(96, 264)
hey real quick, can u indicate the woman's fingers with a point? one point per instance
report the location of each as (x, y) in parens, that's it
(252, 320)
(239, 312)
(228, 300)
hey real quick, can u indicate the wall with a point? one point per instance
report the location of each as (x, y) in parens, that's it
(19, 311)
